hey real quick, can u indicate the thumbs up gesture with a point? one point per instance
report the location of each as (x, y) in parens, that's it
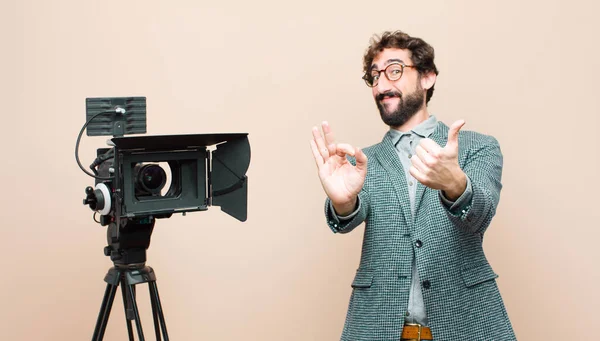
(437, 167)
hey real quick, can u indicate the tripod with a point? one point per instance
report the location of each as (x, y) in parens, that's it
(127, 249)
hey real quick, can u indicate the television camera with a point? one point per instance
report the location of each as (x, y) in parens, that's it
(144, 178)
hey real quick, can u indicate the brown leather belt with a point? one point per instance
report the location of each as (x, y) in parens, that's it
(415, 332)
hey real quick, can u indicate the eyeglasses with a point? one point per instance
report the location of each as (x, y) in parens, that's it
(393, 72)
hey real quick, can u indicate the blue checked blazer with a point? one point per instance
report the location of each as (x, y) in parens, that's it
(459, 287)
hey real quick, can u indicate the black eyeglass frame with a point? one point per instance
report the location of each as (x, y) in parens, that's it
(367, 76)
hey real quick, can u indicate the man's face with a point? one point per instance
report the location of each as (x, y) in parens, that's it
(401, 99)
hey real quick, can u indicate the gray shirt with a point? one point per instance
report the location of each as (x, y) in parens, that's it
(405, 143)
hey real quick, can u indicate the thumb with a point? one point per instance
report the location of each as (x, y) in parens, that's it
(453, 134)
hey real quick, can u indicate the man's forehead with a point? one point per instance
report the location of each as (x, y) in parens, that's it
(391, 55)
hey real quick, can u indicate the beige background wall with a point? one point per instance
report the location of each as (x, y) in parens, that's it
(523, 71)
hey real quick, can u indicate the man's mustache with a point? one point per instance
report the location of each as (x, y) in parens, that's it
(388, 94)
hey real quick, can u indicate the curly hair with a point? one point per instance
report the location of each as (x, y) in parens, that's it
(422, 54)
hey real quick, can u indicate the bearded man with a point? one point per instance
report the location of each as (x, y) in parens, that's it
(426, 193)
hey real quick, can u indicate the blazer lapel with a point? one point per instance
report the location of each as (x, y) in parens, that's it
(439, 136)
(388, 157)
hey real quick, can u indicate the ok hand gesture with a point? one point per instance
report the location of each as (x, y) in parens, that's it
(340, 179)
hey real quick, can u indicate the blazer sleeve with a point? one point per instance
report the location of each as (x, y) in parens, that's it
(483, 167)
(338, 225)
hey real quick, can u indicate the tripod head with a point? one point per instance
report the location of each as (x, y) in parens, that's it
(127, 240)
(128, 243)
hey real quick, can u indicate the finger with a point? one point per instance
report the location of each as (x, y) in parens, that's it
(430, 147)
(419, 165)
(418, 175)
(424, 156)
(343, 149)
(453, 134)
(318, 157)
(329, 137)
(361, 161)
(320, 143)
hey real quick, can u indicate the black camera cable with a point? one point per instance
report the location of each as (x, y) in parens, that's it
(99, 159)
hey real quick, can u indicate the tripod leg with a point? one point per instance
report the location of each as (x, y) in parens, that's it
(154, 313)
(126, 306)
(107, 301)
(155, 299)
(138, 322)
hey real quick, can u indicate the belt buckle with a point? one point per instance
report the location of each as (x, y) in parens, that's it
(418, 334)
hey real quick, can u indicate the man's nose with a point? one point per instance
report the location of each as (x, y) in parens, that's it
(383, 84)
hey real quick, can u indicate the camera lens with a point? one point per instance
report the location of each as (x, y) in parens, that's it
(151, 178)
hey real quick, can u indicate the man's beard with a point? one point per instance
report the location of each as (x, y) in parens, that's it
(408, 106)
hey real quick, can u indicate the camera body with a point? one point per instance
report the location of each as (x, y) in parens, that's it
(143, 178)
(198, 178)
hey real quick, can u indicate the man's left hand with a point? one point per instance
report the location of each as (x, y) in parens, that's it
(437, 167)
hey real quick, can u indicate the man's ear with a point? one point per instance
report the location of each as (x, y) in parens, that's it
(428, 80)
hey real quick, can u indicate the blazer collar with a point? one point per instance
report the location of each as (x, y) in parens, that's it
(388, 158)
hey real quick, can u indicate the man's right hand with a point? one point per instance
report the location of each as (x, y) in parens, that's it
(340, 179)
